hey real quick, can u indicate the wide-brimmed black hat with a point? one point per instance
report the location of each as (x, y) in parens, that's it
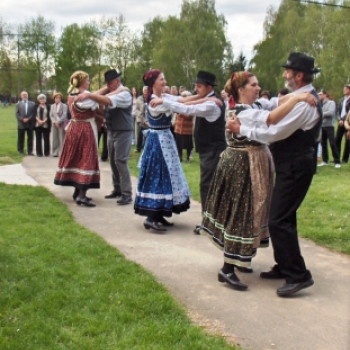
(301, 63)
(205, 78)
(110, 75)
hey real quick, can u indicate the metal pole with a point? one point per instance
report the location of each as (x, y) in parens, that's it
(18, 69)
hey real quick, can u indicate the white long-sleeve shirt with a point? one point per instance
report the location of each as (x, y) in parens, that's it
(303, 116)
(208, 110)
(87, 104)
(121, 100)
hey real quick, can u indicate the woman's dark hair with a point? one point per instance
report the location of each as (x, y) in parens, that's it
(148, 79)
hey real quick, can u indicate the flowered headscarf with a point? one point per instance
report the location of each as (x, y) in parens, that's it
(149, 78)
(237, 80)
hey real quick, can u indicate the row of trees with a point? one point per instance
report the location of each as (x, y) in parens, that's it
(32, 58)
(319, 31)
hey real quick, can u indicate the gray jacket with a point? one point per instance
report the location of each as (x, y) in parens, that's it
(328, 107)
(21, 114)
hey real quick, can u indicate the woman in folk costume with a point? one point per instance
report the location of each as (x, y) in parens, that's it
(162, 187)
(78, 163)
(237, 206)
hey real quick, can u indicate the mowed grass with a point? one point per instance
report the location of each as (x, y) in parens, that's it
(64, 287)
(323, 216)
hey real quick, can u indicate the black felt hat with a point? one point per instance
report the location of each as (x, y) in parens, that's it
(301, 63)
(206, 78)
(110, 75)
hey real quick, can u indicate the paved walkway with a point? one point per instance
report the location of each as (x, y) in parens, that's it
(317, 318)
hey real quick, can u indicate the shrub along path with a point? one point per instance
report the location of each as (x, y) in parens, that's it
(316, 318)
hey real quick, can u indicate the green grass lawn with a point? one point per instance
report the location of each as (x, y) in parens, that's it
(64, 287)
(323, 216)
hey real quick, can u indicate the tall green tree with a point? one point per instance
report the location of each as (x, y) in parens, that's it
(37, 41)
(319, 31)
(239, 64)
(150, 37)
(193, 41)
(77, 49)
(7, 78)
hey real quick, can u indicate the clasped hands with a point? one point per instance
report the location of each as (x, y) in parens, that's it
(233, 124)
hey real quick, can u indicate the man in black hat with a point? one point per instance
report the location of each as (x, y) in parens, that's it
(292, 145)
(209, 132)
(119, 123)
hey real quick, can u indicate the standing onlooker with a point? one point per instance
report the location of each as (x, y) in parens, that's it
(343, 110)
(265, 94)
(134, 98)
(42, 126)
(25, 114)
(58, 115)
(347, 127)
(328, 107)
(293, 141)
(174, 91)
(78, 163)
(182, 88)
(141, 120)
(184, 131)
(224, 96)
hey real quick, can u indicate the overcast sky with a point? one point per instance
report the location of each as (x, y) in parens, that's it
(245, 17)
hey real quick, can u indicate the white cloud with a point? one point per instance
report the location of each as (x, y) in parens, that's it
(245, 18)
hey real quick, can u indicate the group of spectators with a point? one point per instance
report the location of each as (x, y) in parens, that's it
(330, 111)
(41, 118)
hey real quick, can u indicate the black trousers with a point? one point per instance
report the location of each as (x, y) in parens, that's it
(208, 163)
(40, 134)
(21, 138)
(103, 135)
(328, 134)
(293, 179)
(341, 131)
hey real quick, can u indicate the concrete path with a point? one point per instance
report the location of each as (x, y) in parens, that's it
(317, 318)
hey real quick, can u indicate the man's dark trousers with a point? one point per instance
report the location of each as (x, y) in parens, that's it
(338, 140)
(293, 179)
(208, 162)
(328, 134)
(21, 137)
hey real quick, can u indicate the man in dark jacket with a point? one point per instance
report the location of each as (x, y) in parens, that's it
(25, 114)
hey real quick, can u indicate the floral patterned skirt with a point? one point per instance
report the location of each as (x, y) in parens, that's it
(238, 202)
(162, 187)
(78, 163)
